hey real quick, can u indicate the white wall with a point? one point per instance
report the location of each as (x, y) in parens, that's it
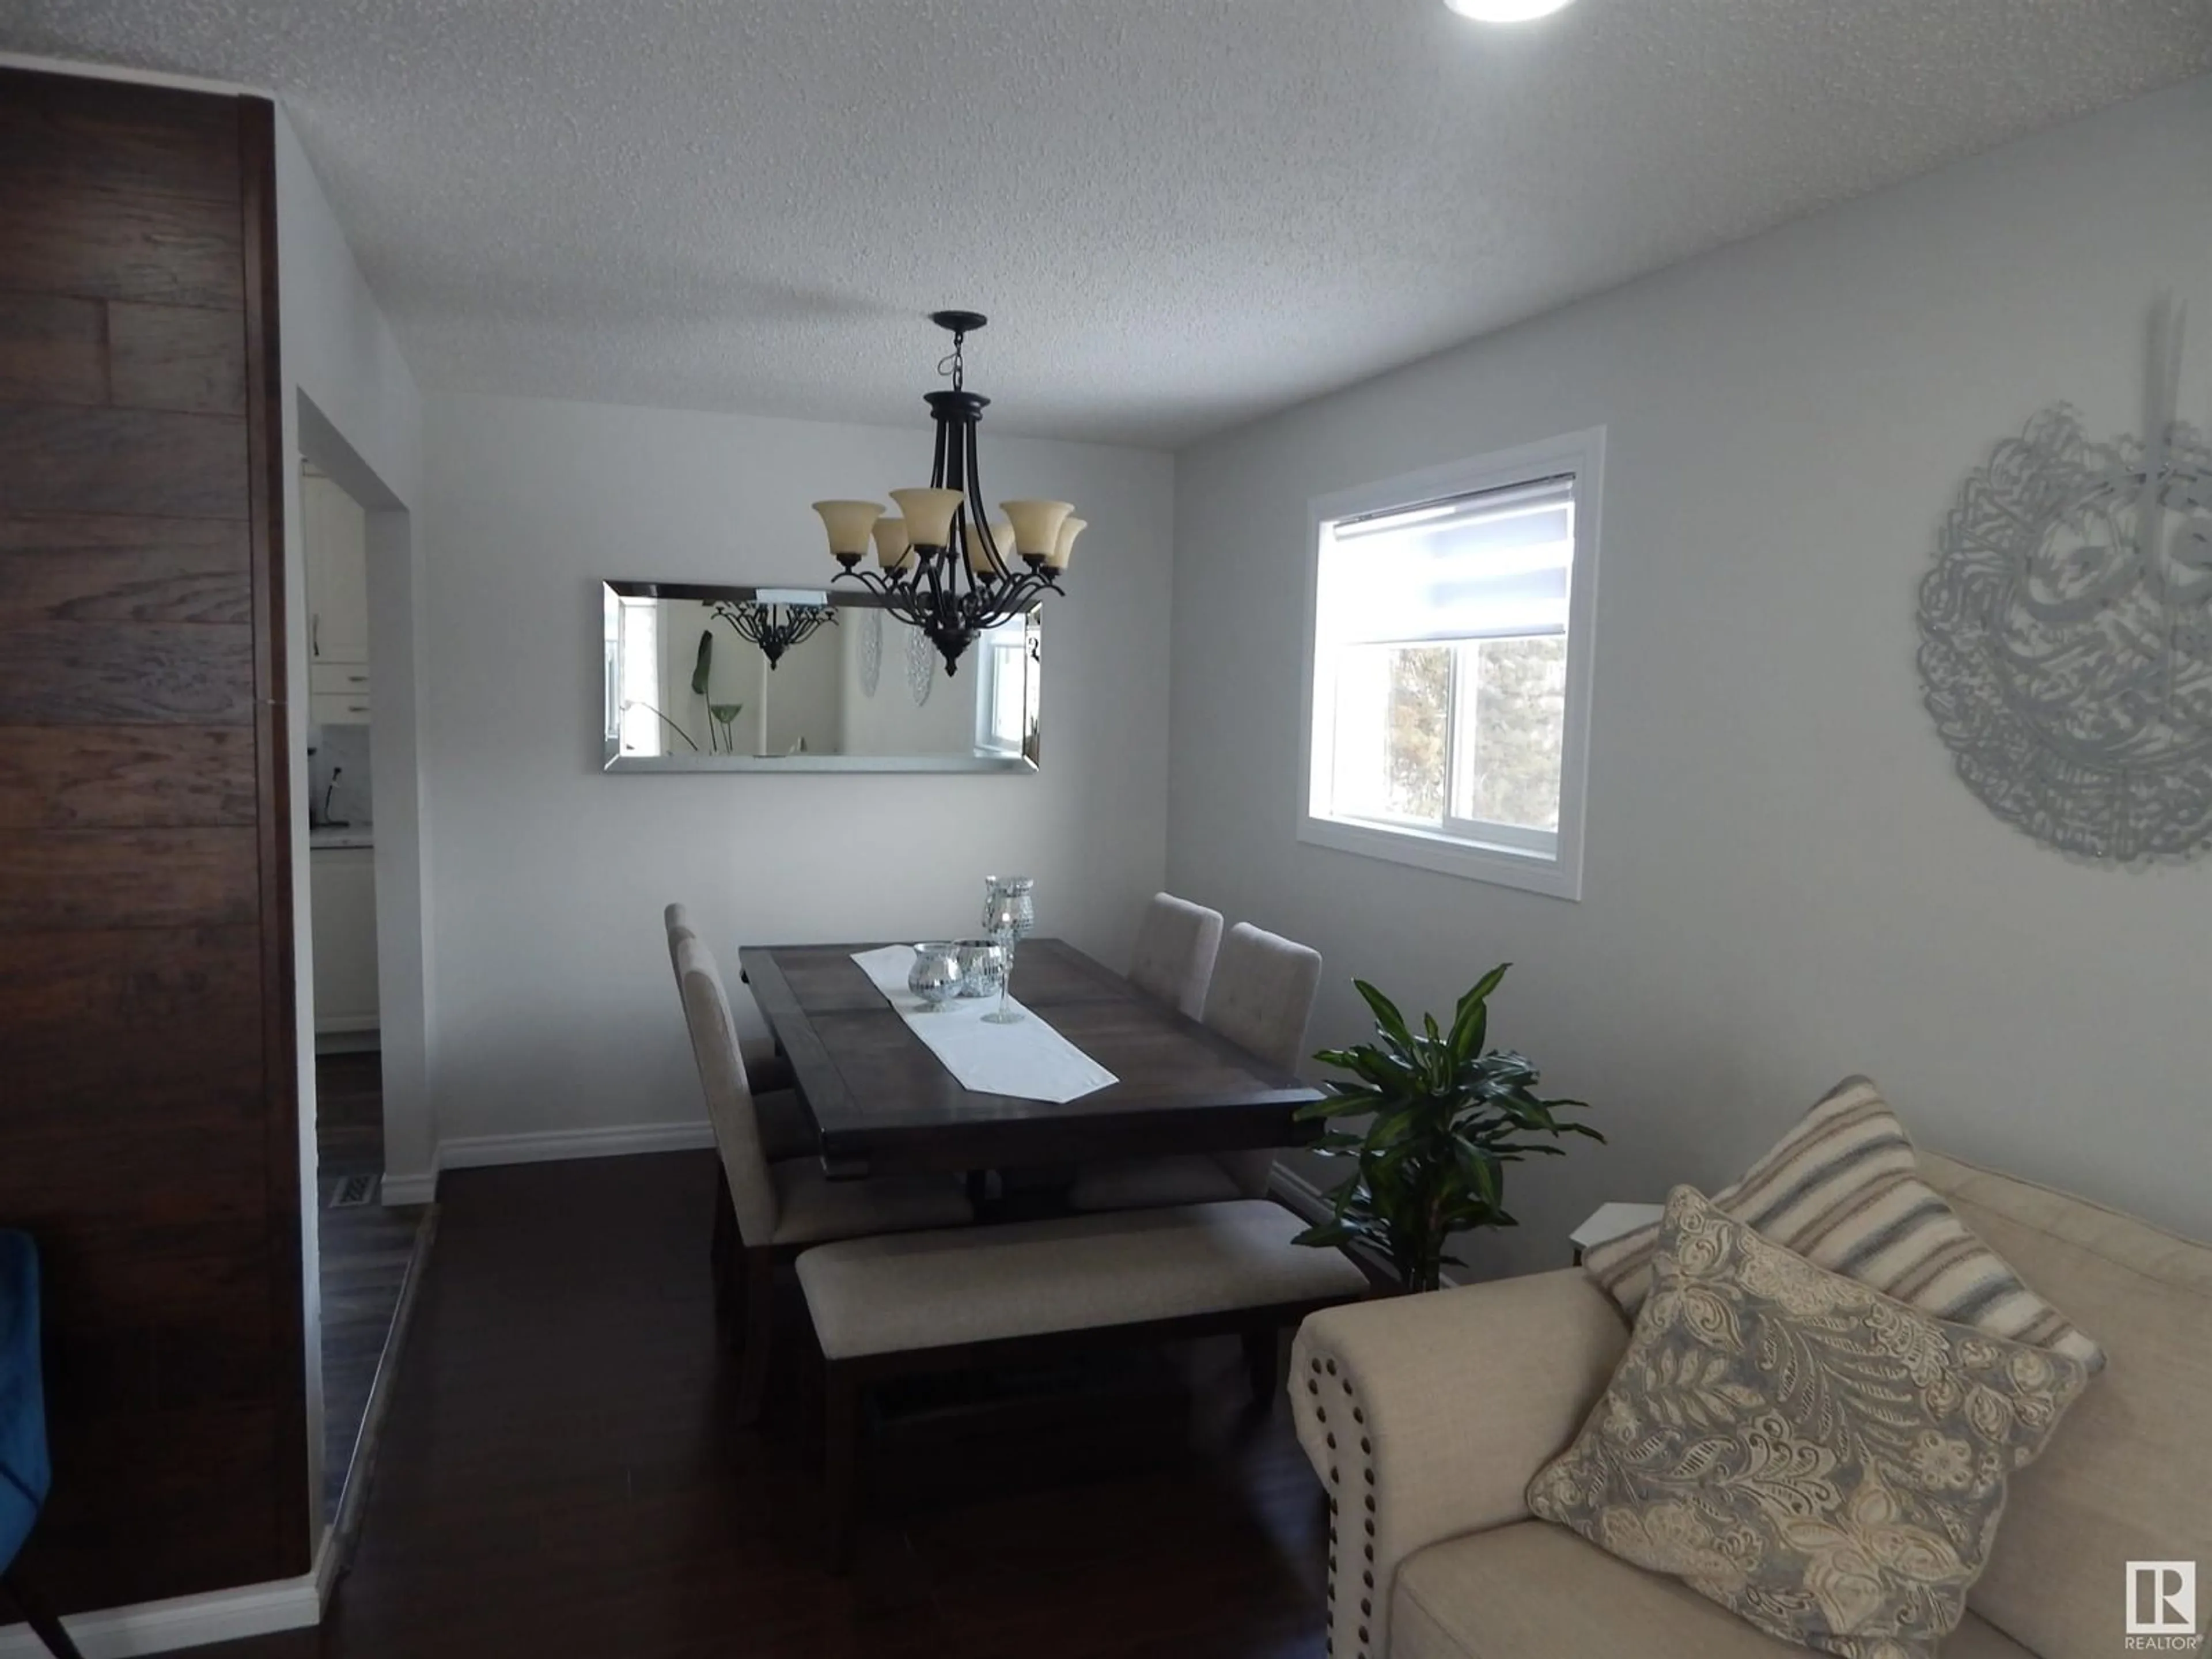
(338, 345)
(890, 722)
(555, 1010)
(350, 400)
(1785, 882)
(350, 405)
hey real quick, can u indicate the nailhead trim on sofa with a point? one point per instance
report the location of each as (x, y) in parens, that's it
(1321, 1373)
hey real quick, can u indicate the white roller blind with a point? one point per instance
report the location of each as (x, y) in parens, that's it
(1475, 567)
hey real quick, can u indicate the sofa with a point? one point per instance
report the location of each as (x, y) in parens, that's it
(1426, 1416)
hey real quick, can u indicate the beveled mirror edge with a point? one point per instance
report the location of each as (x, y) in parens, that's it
(621, 762)
(846, 598)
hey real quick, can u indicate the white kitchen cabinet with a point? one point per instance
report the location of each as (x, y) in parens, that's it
(345, 678)
(334, 534)
(337, 708)
(342, 890)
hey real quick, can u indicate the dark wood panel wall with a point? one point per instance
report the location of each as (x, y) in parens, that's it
(149, 1112)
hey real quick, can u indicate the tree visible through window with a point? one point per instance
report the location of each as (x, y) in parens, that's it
(1519, 719)
(1444, 663)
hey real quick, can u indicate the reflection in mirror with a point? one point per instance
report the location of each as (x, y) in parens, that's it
(702, 678)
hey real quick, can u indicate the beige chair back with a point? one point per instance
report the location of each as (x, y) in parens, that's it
(729, 1097)
(1263, 994)
(1261, 997)
(1176, 943)
(678, 919)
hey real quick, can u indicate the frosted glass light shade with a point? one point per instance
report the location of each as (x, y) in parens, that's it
(849, 524)
(1036, 525)
(928, 514)
(1063, 547)
(893, 551)
(1001, 536)
(1507, 11)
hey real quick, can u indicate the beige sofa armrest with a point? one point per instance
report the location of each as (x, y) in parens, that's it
(1428, 1415)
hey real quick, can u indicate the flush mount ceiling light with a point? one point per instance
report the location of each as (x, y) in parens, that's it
(1507, 11)
(941, 568)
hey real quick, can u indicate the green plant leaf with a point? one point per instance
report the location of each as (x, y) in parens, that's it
(1387, 1020)
(705, 665)
(1443, 1120)
(1387, 1072)
(1344, 1103)
(1343, 1059)
(1471, 1022)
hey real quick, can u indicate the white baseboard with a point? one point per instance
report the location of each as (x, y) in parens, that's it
(188, 1621)
(410, 1188)
(545, 1146)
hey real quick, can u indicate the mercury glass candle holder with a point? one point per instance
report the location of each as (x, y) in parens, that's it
(1009, 913)
(982, 968)
(935, 976)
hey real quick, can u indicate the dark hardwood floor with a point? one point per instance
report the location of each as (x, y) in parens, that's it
(349, 1114)
(366, 1251)
(559, 1475)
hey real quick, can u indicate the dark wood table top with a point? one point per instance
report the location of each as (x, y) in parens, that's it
(883, 1102)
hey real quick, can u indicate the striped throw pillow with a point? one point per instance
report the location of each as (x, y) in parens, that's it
(1843, 1190)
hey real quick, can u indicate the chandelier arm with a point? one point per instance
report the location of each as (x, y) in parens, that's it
(940, 577)
(948, 593)
(893, 597)
(960, 475)
(900, 604)
(1015, 601)
(772, 630)
(998, 564)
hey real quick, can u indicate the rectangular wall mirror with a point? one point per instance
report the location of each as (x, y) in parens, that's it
(688, 690)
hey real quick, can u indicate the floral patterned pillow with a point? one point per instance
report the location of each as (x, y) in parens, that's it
(1824, 1461)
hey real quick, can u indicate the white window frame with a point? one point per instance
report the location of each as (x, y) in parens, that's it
(1012, 638)
(1496, 857)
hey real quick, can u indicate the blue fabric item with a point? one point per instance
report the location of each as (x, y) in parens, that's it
(24, 1472)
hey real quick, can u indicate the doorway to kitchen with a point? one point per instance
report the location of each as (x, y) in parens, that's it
(369, 1250)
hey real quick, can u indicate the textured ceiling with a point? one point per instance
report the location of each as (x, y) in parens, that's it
(1179, 213)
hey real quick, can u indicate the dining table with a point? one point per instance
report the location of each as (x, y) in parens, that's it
(882, 1101)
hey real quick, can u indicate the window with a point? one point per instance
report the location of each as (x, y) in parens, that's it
(1007, 704)
(1451, 666)
(634, 669)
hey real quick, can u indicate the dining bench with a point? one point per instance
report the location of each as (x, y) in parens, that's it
(900, 1304)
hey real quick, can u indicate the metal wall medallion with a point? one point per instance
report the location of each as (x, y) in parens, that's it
(872, 653)
(2066, 631)
(920, 666)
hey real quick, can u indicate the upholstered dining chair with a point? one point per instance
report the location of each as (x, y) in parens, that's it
(1176, 943)
(768, 1211)
(785, 1130)
(25, 1472)
(1261, 997)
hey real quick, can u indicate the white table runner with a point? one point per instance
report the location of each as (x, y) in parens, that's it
(1028, 1061)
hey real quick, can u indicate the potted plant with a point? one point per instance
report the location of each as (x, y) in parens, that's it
(1444, 1120)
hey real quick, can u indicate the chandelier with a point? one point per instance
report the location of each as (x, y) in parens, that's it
(941, 567)
(774, 620)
